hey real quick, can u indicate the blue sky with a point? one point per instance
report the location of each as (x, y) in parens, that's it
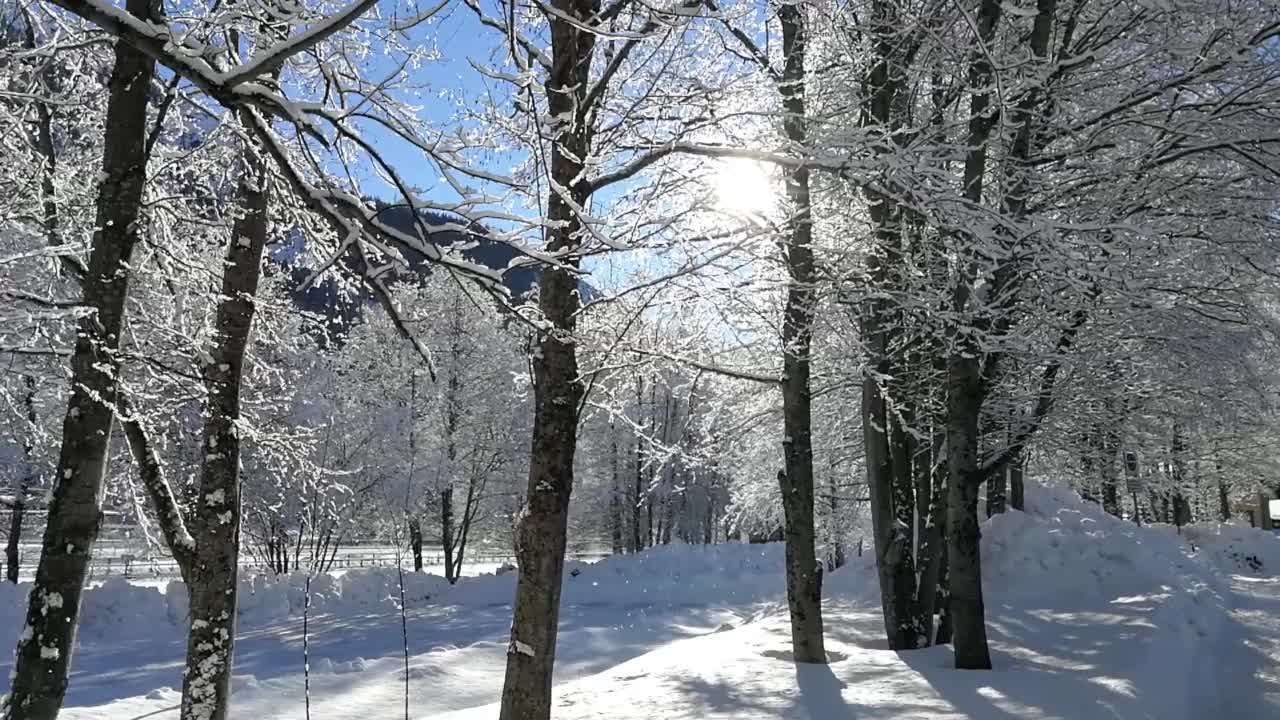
(459, 39)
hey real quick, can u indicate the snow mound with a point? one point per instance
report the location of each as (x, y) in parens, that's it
(118, 609)
(1236, 549)
(1062, 544)
(681, 575)
(1066, 564)
(666, 576)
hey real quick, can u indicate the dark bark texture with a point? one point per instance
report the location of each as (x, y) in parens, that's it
(804, 572)
(12, 556)
(1017, 487)
(215, 524)
(890, 478)
(615, 496)
(964, 563)
(558, 389)
(415, 543)
(43, 656)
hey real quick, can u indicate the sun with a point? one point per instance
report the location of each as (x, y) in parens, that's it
(745, 188)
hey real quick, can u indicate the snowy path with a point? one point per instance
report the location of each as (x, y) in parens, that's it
(457, 658)
(1107, 662)
(1248, 652)
(1057, 658)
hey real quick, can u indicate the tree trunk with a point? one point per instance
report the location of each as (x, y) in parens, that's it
(945, 630)
(452, 417)
(1017, 490)
(967, 383)
(930, 556)
(446, 532)
(894, 562)
(648, 510)
(1181, 509)
(968, 614)
(470, 506)
(12, 555)
(615, 496)
(43, 657)
(997, 491)
(897, 518)
(1133, 482)
(558, 389)
(838, 558)
(1108, 445)
(804, 573)
(637, 541)
(415, 543)
(541, 535)
(215, 525)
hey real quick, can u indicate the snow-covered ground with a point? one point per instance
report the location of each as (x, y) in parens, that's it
(1089, 617)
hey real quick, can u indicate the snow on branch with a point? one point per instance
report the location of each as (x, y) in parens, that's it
(239, 89)
(272, 58)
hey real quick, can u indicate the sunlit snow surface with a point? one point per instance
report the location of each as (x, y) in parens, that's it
(1089, 618)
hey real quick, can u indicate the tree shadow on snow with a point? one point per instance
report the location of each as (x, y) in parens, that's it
(1109, 663)
(723, 698)
(822, 693)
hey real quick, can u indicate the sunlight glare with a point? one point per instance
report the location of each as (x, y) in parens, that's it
(745, 188)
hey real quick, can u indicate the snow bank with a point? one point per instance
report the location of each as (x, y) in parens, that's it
(1235, 549)
(1062, 544)
(120, 609)
(681, 575)
(1093, 574)
(670, 576)
(1064, 547)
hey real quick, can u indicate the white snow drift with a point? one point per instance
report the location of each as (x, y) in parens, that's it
(1089, 616)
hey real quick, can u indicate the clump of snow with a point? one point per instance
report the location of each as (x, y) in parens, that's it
(166, 694)
(120, 609)
(352, 666)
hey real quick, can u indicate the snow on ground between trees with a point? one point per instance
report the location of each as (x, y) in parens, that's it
(1089, 617)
